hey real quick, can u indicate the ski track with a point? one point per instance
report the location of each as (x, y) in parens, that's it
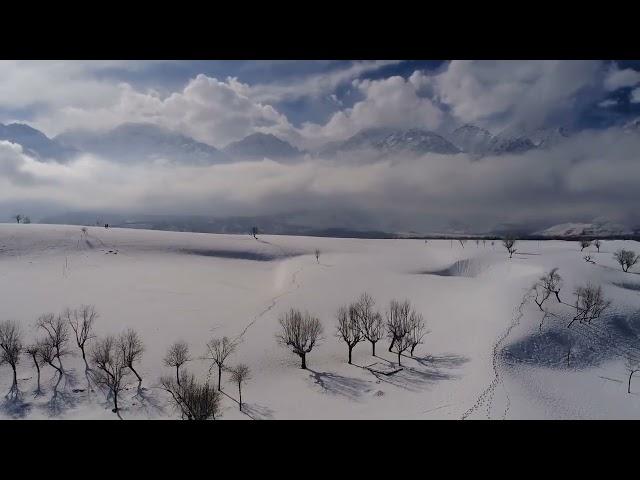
(488, 394)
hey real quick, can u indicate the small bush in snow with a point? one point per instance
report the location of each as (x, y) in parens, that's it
(509, 243)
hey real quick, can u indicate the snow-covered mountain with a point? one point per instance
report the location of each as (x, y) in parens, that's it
(596, 229)
(389, 141)
(35, 143)
(136, 142)
(471, 139)
(632, 125)
(261, 145)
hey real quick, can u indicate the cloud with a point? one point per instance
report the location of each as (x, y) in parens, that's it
(390, 102)
(610, 102)
(508, 92)
(635, 96)
(593, 173)
(617, 78)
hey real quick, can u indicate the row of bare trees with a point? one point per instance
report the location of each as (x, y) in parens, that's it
(357, 322)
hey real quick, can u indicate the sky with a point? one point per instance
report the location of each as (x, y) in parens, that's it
(311, 103)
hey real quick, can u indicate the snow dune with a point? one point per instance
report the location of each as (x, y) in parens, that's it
(484, 357)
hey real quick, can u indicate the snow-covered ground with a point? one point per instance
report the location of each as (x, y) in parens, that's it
(187, 286)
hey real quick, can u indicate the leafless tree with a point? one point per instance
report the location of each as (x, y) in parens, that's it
(370, 320)
(509, 243)
(18, 217)
(398, 326)
(34, 352)
(462, 242)
(177, 355)
(300, 332)
(195, 401)
(81, 322)
(254, 232)
(239, 375)
(219, 349)
(597, 244)
(584, 243)
(626, 259)
(317, 255)
(57, 335)
(632, 366)
(417, 329)
(84, 231)
(47, 351)
(590, 304)
(10, 350)
(348, 328)
(133, 350)
(108, 356)
(477, 242)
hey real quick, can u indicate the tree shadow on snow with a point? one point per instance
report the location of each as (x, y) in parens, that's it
(15, 407)
(257, 412)
(352, 388)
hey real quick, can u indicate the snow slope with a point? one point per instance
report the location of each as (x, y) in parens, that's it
(171, 285)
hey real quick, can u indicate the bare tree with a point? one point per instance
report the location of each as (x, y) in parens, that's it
(462, 242)
(632, 366)
(195, 401)
(177, 355)
(18, 217)
(317, 255)
(10, 350)
(81, 322)
(239, 375)
(370, 321)
(47, 351)
(57, 335)
(417, 329)
(584, 243)
(34, 352)
(548, 284)
(477, 242)
(626, 259)
(398, 326)
(597, 244)
(509, 243)
(219, 350)
(299, 331)
(133, 350)
(397, 313)
(108, 355)
(349, 327)
(254, 232)
(590, 304)
(26, 220)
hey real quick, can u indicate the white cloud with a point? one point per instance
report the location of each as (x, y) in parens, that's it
(391, 102)
(506, 92)
(617, 78)
(610, 102)
(635, 96)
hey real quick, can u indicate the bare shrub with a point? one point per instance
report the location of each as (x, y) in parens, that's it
(239, 375)
(317, 252)
(584, 243)
(11, 349)
(194, 400)
(370, 320)
(548, 284)
(590, 304)
(626, 259)
(597, 244)
(219, 350)
(301, 332)
(177, 355)
(81, 322)
(348, 329)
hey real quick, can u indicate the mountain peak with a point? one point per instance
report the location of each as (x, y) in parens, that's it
(260, 145)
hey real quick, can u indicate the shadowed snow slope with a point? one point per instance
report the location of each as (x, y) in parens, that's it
(188, 286)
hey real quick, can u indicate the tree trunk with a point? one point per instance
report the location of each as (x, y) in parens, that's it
(38, 369)
(84, 357)
(178, 374)
(350, 348)
(219, 377)
(304, 360)
(373, 346)
(240, 395)
(135, 373)
(15, 377)
(413, 347)
(392, 344)
(630, 375)
(399, 364)
(115, 402)
(568, 355)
